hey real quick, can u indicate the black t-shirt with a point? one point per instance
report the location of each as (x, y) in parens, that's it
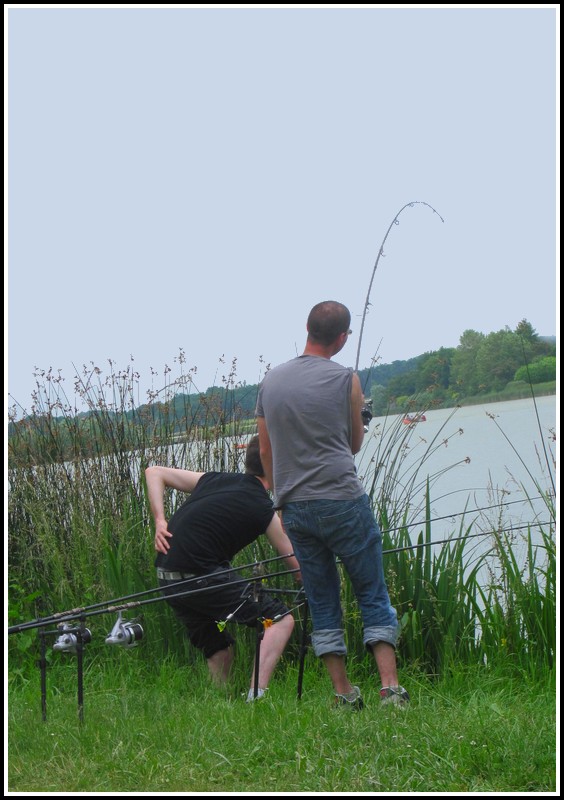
(225, 512)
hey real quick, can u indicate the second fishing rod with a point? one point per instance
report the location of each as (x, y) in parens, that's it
(129, 601)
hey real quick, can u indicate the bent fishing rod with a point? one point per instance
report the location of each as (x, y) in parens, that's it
(395, 221)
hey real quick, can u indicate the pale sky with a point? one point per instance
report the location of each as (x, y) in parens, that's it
(197, 178)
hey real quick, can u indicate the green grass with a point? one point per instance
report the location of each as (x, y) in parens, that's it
(171, 731)
(80, 533)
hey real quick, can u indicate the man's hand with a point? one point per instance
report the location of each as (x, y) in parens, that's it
(366, 415)
(162, 535)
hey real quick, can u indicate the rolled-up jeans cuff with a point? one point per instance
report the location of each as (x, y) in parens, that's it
(386, 633)
(329, 641)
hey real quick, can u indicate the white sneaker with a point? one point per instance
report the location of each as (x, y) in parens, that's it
(251, 696)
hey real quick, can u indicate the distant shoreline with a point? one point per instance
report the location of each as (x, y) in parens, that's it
(503, 396)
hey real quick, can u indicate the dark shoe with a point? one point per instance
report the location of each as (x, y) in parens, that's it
(394, 695)
(352, 700)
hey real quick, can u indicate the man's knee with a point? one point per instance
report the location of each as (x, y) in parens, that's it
(287, 622)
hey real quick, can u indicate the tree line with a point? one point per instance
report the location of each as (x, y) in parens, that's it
(482, 364)
(506, 361)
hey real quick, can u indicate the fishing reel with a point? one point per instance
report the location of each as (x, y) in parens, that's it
(366, 414)
(124, 633)
(67, 642)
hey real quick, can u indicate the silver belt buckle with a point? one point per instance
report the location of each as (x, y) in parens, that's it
(172, 576)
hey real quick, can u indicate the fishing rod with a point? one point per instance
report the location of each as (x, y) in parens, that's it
(73, 638)
(112, 606)
(53, 618)
(460, 513)
(458, 538)
(68, 617)
(395, 221)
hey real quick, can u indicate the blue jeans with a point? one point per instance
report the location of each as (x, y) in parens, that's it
(319, 531)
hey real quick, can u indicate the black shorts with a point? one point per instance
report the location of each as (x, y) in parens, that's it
(214, 597)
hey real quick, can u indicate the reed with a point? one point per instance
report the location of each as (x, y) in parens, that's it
(80, 529)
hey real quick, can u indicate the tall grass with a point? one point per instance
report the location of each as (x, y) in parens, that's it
(456, 605)
(80, 530)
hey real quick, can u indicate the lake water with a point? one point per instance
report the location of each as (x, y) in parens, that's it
(485, 458)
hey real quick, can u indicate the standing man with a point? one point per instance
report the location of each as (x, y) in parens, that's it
(310, 423)
(224, 513)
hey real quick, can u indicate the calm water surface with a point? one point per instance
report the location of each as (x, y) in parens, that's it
(482, 456)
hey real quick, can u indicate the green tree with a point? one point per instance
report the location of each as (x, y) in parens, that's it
(463, 378)
(435, 370)
(498, 358)
(403, 384)
(526, 331)
(379, 395)
(541, 370)
(531, 342)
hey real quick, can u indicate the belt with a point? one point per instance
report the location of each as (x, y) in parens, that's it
(173, 576)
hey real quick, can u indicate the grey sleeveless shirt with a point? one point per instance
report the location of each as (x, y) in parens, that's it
(306, 403)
